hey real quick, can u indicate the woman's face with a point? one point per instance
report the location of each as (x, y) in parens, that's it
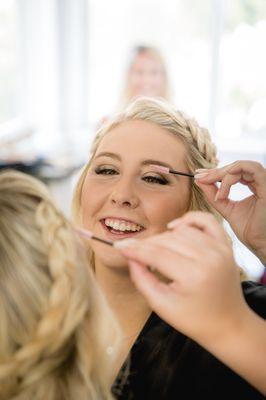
(146, 76)
(122, 196)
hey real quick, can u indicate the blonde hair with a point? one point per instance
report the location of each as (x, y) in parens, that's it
(54, 323)
(201, 151)
(155, 54)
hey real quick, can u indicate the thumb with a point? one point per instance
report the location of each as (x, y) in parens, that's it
(149, 285)
(210, 192)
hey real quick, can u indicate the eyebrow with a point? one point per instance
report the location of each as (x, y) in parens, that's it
(145, 162)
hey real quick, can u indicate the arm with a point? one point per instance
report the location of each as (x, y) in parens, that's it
(247, 217)
(202, 284)
(244, 350)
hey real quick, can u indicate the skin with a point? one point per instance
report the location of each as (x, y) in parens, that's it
(247, 217)
(127, 194)
(146, 76)
(206, 275)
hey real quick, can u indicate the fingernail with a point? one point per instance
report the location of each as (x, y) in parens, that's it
(201, 170)
(173, 224)
(217, 195)
(201, 175)
(121, 244)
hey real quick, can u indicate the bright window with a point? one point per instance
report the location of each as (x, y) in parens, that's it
(8, 61)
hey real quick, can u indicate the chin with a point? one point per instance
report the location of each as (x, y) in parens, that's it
(110, 257)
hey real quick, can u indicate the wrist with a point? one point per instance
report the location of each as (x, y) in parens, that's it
(243, 347)
(227, 331)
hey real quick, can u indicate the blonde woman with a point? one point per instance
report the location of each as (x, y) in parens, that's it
(120, 195)
(55, 327)
(146, 75)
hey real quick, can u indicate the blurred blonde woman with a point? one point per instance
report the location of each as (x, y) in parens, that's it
(54, 324)
(146, 75)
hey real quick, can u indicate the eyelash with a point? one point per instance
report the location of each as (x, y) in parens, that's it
(150, 179)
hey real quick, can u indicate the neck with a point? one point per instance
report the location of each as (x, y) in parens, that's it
(128, 305)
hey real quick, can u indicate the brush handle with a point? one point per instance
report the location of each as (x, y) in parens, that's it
(102, 240)
(172, 171)
(89, 235)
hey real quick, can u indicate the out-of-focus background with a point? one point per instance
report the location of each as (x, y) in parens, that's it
(63, 65)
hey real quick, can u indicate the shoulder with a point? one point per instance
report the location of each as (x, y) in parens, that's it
(255, 296)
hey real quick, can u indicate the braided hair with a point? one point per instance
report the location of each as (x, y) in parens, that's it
(53, 318)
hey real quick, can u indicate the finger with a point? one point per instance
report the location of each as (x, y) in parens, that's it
(158, 294)
(145, 281)
(203, 221)
(223, 206)
(188, 241)
(228, 181)
(167, 262)
(251, 173)
(208, 176)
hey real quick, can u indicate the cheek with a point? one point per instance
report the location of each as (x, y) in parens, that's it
(90, 201)
(162, 211)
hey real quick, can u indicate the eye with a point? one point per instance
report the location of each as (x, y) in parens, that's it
(105, 171)
(155, 179)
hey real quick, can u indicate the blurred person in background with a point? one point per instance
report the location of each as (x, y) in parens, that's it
(146, 75)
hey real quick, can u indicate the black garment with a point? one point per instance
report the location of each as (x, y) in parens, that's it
(166, 365)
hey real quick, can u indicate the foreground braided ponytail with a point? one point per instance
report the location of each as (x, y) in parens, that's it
(53, 320)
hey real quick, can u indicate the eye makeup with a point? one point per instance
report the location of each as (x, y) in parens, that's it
(105, 170)
(166, 170)
(148, 177)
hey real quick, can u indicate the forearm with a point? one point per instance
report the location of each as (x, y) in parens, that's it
(244, 350)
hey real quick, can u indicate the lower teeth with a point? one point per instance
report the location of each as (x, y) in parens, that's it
(117, 231)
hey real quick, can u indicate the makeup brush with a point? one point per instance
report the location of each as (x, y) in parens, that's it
(166, 170)
(89, 235)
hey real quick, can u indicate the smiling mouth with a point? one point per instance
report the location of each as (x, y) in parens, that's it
(121, 227)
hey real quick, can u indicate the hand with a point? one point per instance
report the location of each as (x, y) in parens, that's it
(247, 217)
(202, 295)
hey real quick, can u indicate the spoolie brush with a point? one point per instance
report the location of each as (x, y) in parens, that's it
(89, 235)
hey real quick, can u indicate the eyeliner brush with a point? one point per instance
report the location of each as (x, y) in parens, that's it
(89, 235)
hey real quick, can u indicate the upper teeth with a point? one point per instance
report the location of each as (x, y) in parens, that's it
(119, 225)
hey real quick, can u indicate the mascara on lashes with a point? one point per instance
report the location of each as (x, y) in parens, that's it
(109, 171)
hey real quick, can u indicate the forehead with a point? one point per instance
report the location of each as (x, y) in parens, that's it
(146, 60)
(140, 140)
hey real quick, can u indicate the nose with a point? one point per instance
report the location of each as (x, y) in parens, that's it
(123, 195)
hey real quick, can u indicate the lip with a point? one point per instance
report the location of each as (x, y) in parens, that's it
(118, 236)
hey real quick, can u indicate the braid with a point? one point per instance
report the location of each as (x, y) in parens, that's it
(166, 115)
(61, 316)
(201, 139)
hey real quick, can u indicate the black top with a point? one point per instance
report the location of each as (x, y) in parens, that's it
(166, 365)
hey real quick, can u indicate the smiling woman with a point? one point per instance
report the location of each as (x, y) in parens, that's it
(120, 195)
